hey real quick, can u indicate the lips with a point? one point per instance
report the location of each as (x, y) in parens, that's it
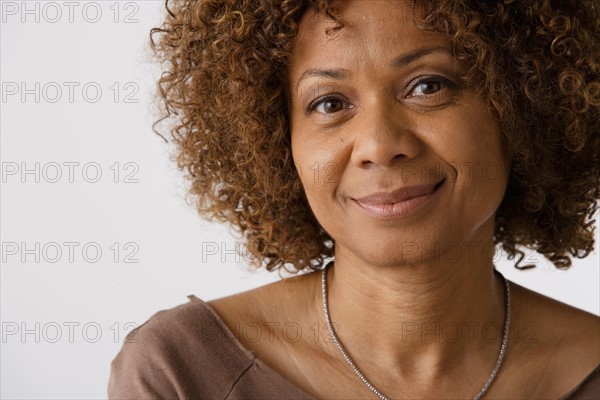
(399, 195)
(400, 203)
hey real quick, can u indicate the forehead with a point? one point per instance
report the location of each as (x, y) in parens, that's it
(374, 32)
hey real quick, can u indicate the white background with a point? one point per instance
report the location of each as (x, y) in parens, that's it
(63, 320)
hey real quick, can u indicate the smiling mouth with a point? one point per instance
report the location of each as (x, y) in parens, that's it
(383, 206)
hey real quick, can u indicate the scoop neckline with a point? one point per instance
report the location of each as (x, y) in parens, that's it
(252, 356)
(247, 352)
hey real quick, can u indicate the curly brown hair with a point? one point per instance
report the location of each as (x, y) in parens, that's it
(537, 62)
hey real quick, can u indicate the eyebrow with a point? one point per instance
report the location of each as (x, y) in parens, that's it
(398, 62)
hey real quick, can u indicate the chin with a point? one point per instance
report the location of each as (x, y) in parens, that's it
(398, 253)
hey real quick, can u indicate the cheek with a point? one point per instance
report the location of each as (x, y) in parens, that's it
(469, 141)
(319, 167)
(476, 158)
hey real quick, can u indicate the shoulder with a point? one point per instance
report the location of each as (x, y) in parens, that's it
(561, 341)
(177, 352)
(282, 301)
(561, 324)
(589, 388)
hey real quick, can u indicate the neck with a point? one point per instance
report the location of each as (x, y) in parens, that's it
(415, 319)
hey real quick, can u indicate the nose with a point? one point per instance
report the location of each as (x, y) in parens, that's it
(384, 136)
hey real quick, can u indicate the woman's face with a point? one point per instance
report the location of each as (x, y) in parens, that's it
(379, 107)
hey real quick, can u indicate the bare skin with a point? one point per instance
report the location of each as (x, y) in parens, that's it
(552, 346)
(382, 127)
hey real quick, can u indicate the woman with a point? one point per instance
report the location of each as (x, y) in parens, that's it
(405, 141)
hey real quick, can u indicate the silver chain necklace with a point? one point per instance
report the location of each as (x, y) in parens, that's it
(370, 385)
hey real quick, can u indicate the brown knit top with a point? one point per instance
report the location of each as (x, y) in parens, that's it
(187, 352)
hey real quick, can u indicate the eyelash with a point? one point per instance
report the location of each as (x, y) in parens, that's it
(445, 83)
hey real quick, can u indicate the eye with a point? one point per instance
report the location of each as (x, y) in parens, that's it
(430, 86)
(327, 105)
